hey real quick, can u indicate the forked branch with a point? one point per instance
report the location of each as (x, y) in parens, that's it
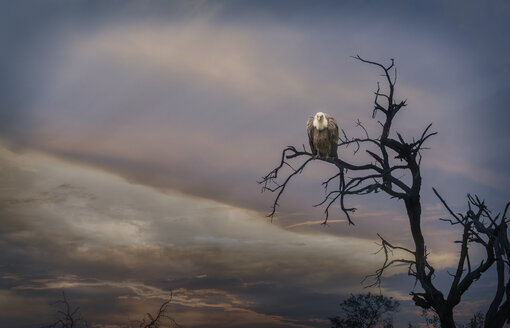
(388, 250)
(160, 319)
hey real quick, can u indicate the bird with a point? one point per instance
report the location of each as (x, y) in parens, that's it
(322, 132)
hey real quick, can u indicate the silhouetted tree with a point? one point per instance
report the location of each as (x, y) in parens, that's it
(366, 311)
(477, 321)
(392, 165)
(161, 319)
(72, 318)
(67, 316)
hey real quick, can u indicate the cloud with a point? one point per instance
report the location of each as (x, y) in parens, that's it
(470, 171)
(204, 104)
(198, 52)
(199, 99)
(79, 228)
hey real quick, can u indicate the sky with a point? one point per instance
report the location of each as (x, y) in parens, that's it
(133, 134)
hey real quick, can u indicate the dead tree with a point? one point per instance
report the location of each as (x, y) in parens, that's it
(68, 317)
(160, 319)
(393, 167)
(490, 232)
(72, 318)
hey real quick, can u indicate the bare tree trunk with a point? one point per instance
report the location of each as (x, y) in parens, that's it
(446, 317)
(433, 297)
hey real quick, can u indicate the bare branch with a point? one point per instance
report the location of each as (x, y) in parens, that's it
(68, 317)
(388, 248)
(161, 319)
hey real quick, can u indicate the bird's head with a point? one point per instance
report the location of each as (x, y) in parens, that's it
(320, 122)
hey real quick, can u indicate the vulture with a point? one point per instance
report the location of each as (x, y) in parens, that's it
(323, 135)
